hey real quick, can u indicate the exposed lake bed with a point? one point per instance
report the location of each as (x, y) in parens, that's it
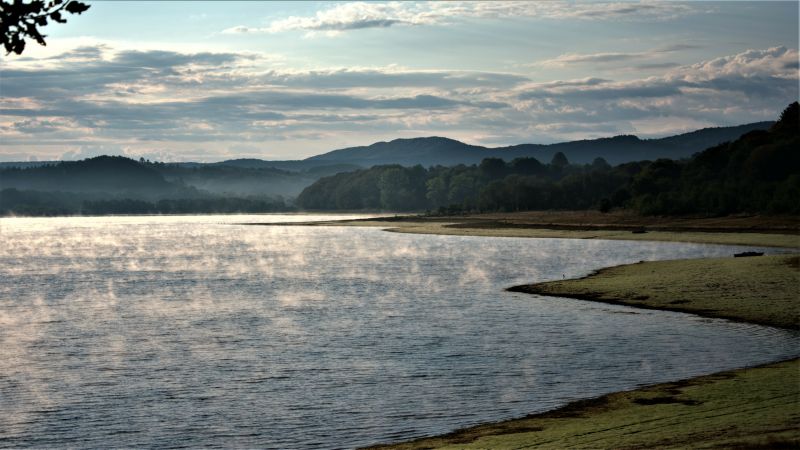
(197, 332)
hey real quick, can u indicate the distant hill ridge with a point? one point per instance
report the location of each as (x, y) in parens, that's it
(435, 150)
(102, 174)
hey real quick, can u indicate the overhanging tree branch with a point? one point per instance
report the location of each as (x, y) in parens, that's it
(20, 19)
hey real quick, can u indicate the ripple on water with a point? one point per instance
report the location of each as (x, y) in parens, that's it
(194, 332)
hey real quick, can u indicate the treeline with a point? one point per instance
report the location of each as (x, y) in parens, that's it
(119, 185)
(50, 203)
(759, 172)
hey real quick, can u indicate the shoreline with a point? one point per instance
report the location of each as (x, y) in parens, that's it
(542, 429)
(685, 286)
(761, 231)
(670, 414)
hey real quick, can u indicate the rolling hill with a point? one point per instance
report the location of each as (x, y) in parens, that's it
(431, 151)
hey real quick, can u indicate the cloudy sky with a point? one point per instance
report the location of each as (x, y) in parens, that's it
(209, 81)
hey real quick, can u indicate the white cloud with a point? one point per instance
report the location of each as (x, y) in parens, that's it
(361, 15)
(149, 100)
(778, 62)
(568, 59)
(347, 16)
(745, 87)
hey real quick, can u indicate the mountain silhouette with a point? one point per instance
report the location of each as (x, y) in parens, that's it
(431, 151)
(103, 174)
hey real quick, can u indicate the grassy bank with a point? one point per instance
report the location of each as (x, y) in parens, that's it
(761, 289)
(747, 408)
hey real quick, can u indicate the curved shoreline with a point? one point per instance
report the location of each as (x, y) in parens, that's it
(749, 407)
(726, 288)
(752, 231)
(567, 426)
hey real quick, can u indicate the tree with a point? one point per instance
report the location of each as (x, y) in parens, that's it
(437, 191)
(19, 19)
(492, 168)
(395, 188)
(600, 163)
(559, 160)
(463, 190)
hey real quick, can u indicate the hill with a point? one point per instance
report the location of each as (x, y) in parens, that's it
(436, 150)
(103, 174)
(431, 151)
(757, 173)
(119, 185)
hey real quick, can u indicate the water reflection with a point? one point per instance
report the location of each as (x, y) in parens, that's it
(170, 331)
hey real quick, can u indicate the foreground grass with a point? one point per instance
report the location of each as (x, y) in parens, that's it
(747, 408)
(763, 289)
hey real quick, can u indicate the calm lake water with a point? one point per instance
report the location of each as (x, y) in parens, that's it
(198, 332)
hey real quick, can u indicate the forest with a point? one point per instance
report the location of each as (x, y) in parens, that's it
(118, 185)
(756, 173)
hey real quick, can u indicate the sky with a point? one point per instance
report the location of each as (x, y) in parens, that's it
(209, 81)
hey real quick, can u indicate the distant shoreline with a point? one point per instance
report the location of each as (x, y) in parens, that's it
(761, 231)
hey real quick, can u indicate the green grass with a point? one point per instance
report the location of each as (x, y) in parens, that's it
(747, 408)
(762, 289)
(754, 408)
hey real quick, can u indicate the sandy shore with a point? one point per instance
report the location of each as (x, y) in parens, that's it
(759, 231)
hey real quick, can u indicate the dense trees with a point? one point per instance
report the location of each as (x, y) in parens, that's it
(759, 172)
(118, 185)
(493, 185)
(57, 203)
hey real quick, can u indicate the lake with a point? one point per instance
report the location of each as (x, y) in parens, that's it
(196, 331)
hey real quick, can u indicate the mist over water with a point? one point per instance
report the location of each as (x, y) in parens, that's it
(193, 331)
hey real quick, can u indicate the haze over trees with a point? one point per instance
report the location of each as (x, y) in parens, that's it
(433, 151)
(759, 172)
(118, 185)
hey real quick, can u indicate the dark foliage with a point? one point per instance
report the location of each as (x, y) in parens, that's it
(20, 19)
(759, 173)
(440, 151)
(108, 174)
(118, 185)
(50, 203)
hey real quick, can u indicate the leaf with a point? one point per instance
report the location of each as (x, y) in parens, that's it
(41, 21)
(19, 46)
(57, 17)
(34, 33)
(74, 7)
